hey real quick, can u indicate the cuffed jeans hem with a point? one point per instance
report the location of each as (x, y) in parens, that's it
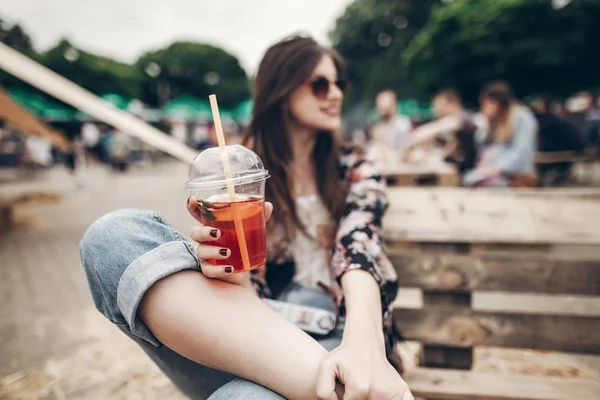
(144, 272)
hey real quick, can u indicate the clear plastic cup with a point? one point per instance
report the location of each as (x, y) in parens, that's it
(242, 219)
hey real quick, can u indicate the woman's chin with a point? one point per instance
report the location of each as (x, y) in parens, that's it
(332, 125)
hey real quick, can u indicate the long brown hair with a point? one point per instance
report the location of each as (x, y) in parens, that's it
(286, 66)
(501, 127)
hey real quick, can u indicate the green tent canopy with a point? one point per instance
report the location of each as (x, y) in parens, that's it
(118, 101)
(41, 106)
(227, 115)
(188, 108)
(243, 111)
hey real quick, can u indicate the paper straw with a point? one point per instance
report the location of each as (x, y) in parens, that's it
(237, 219)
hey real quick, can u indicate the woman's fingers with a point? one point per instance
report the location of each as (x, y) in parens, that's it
(215, 271)
(326, 381)
(212, 252)
(268, 210)
(192, 206)
(204, 234)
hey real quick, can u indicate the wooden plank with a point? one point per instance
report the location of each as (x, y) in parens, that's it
(6, 218)
(449, 180)
(398, 172)
(462, 385)
(509, 272)
(561, 156)
(490, 216)
(463, 327)
(446, 356)
(454, 298)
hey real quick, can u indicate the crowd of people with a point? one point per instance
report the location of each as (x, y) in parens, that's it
(496, 146)
(29, 152)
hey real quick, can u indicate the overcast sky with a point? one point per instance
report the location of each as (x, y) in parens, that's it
(124, 29)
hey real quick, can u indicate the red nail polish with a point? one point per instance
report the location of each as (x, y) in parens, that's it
(214, 233)
(223, 252)
(228, 270)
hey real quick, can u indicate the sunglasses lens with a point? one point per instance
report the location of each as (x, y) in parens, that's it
(342, 84)
(320, 87)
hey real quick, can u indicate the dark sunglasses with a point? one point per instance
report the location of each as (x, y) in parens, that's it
(320, 86)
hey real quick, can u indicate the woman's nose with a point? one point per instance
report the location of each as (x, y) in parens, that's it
(335, 92)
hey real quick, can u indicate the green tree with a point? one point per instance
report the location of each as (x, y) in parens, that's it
(530, 44)
(14, 36)
(195, 69)
(95, 73)
(18, 39)
(371, 34)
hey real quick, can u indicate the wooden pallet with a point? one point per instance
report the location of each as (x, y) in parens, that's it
(452, 242)
(443, 175)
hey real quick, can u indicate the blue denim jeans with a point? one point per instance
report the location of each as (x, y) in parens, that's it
(124, 253)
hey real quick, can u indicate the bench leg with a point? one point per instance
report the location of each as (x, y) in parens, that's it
(6, 219)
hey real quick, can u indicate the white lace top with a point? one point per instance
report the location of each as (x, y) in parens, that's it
(312, 255)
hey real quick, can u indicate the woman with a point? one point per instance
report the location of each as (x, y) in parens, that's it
(205, 329)
(509, 153)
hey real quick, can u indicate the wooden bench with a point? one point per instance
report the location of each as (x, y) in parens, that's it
(6, 213)
(404, 174)
(552, 157)
(452, 242)
(584, 160)
(425, 173)
(8, 203)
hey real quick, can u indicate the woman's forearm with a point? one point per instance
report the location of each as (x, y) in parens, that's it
(363, 307)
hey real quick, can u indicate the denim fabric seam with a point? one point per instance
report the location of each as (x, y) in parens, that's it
(143, 273)
(158, 218)
(109, 317)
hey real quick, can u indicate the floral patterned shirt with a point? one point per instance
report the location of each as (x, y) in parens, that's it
(358, 242)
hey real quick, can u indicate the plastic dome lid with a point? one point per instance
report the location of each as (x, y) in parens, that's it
(207, 172)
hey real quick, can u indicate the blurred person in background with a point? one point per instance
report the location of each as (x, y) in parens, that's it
(397, 127)
(210, 139)
(205, 326)
(199, 135)
(555, 134)
(121, 151)
(592, 122)
(509, 153)
(37, 154)
(11, 146)
(583, 114)
(558, 108)
(73, 158)
(454, 128)
(90, 134)
(179, 130)
(106, 142)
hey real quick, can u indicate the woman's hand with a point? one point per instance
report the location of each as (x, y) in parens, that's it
(487, 170)
(365, 372)
(201, 234)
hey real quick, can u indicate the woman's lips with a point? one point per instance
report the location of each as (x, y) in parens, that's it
(331, 111)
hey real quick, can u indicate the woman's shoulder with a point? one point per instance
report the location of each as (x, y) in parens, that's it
(351, 154)
(361, 160)
(523, 113)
